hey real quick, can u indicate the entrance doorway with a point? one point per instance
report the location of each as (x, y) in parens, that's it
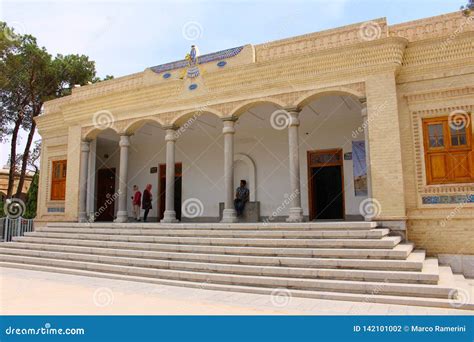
(326, 184)
(177, 189)
(105, 202)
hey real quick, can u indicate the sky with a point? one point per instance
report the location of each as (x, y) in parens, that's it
(125, 36)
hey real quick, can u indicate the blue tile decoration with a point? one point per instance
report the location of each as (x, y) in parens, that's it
(167, 75)
(448, 199)
(210, 57)
(193, 86)
(55, 210)
(221, 64)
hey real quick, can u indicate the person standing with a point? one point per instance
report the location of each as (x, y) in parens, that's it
(137, 202)
(146, 202)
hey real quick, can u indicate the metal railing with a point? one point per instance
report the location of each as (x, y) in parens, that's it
(10, 227)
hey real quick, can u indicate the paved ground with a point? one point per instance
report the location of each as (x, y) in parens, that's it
(42, 293)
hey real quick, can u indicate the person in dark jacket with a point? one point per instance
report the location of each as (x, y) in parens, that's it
(146, 201)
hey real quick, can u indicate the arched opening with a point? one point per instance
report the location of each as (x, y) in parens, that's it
(199, 154)
(103, 181)
(333, 170)
(263, 139)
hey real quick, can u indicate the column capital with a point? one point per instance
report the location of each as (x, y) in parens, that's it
(85, 145)
(228, 126)
(171, 126)
(292, 110)
(171, 135)
(124, 140)
(232, 118)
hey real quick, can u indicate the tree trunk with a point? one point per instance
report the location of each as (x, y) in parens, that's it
(11, 175)
(24, 163)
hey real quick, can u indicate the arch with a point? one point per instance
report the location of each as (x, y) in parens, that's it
(252, 173)
(135, 125)
(242, 108)
(93, 132)
(184, 117)
(307, 98)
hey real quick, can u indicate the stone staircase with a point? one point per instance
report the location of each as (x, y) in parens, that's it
(333, 260)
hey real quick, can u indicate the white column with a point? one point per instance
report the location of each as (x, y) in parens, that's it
(229, 215)
(169, 215)
(363, 112)
(295, 212)
(83, 174)
(122, 214)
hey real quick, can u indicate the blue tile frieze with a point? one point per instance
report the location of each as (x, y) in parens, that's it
(448, 199)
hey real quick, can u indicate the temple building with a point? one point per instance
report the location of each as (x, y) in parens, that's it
(366, 122)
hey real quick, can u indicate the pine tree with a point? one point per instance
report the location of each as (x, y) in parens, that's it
(32, 198)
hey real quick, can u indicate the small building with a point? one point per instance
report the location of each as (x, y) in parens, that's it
(368, 121)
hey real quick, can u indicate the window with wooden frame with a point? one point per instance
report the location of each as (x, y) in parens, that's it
(58, 180)
(448, 149)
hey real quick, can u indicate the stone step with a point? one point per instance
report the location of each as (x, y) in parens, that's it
(400, 251)
(429, 274)
(338, 225)
(354, 297)
(384, 242)
(227, 233)
(414, 262)
(361, 287)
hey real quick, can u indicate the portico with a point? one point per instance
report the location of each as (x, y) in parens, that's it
(332, 125)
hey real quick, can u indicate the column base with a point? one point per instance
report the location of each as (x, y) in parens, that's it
(82, 217)
(122, 217)
(295, 215)
(229, 216)
(169, 216)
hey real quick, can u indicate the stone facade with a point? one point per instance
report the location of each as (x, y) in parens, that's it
(404, 72)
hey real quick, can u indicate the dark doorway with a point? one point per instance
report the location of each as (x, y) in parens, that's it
(177, 189)
(326, 190)
(105, 203)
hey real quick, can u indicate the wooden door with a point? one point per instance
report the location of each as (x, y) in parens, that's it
(105, 205)
(177, 189)
(326, 184)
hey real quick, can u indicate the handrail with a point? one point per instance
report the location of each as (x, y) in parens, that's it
(15, 227)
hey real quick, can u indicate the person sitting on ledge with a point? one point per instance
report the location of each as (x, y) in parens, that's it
(241, 197)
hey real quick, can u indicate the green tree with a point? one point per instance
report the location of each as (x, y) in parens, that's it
(29, 76)
(31, 198)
